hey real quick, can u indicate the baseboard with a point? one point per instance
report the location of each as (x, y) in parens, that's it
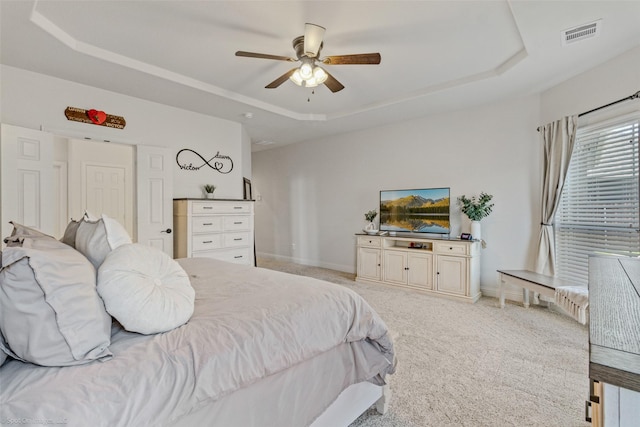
(488, 291)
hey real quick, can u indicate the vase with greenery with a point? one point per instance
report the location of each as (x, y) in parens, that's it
(370, 216)
(208, 190)
(476, 209)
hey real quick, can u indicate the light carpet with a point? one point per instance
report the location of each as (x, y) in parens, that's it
(463, 364)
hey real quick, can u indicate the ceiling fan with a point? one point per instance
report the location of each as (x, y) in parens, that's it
(309, 74)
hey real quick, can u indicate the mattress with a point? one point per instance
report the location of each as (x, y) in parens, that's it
(262, 348)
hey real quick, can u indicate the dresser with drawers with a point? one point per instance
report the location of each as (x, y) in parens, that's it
(220, 229)
(446, 267)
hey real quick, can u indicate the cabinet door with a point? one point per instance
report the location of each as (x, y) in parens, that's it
(420, 271)
(369, 263)
(395, 267)
(451, 274)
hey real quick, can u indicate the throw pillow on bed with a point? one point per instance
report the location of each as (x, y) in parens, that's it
(145, 289)
(70, 232)
(3, 350)
(50, 312)
(20, 232)
(96, 238)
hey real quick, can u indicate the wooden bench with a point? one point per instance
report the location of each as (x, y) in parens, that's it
(530, 281)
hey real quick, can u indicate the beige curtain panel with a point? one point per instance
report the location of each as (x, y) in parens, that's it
(558, 138)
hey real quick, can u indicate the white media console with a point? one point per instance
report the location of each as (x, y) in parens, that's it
(446, 267)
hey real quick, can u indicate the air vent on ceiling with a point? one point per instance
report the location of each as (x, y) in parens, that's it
(581, 32)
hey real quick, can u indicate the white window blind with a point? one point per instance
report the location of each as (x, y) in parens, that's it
(599, 209)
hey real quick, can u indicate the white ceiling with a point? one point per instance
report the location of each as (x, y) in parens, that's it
(436, 55)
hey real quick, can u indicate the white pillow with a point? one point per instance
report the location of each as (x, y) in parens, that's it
(145, 289)
(95, 239)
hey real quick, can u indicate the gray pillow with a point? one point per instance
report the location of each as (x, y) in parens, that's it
(20, 232)
(70, 232)
(95, 239)
(50, 311)
(3, 350)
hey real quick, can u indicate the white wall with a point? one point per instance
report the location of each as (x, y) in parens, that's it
(606, 83)
(37, 101)
(314, 194)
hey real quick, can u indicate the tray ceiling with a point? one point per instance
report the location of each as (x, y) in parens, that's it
(436, 55)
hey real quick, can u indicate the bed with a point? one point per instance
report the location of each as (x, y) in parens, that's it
(261, 348)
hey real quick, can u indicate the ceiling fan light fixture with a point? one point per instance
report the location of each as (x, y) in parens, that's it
(306, 70)
(296, 77)
(312, 82)
(313, 35)
(320, 75)
(307, 78)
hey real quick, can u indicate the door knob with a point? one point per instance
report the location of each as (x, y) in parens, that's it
(168, 231)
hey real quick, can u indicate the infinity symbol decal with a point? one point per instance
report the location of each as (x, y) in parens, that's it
(220, 163)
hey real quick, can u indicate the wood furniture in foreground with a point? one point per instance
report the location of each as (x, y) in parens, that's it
(614, 340)
(446, 267)
(529, 281)
(220, 229)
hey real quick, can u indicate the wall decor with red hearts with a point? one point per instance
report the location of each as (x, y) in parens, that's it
(94, 117)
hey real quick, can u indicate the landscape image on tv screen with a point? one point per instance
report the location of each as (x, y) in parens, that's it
(416, 211)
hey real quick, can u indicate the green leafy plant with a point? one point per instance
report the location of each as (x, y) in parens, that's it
(209, 188)
(370, 216)
(476, 209)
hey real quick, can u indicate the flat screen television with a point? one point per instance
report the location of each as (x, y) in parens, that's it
(425, 210)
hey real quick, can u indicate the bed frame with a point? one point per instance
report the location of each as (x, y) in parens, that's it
(352, 402)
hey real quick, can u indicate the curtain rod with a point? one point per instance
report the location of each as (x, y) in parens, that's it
(628, 98)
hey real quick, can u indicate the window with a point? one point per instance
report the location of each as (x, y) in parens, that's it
(599, 208)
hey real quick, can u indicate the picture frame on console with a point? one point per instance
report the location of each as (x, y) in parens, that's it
(247, 189)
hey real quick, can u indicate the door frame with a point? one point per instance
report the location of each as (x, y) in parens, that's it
(50, 134)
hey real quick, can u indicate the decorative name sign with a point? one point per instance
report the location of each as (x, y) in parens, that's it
(94, 117)
(219, 162)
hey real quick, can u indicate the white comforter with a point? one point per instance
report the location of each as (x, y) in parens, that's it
(249, 323)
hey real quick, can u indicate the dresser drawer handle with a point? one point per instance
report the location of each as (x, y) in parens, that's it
(238, 239)
(238, 256)
(238, 222)
(207, 207)
(208, 241)
(207, 223)
(237, 207)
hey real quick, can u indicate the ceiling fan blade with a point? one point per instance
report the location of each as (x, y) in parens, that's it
(313, 35)
(283, 78)
(333, 84)
(264, 56)
(359, 58)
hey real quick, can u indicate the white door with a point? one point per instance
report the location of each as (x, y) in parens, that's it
(60, 181)
(102, 180)
(155, 192)
(105, 191)
(27, 179)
